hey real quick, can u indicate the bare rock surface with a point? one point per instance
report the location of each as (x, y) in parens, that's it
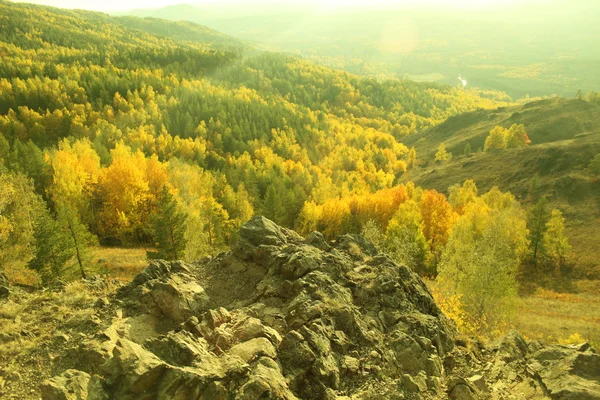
(283, 317)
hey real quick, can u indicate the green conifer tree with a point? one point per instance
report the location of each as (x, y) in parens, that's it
(79, 238)
(468, 150)
(168, 226)
(537, 224)
(52, 249)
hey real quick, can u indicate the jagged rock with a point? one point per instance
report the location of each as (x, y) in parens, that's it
(180, 348)
(300, 264)
(266, 382)
(478, 382)
(290, 318)
(350, 365)
(261, 231)
(568, 373)
(317, 240)
(414, 383)
(462, 392)
(253, 348)
(217, 317)
(132, 368)
(512, 347)
(177, 299)
(73, 385)
(251, 328)
(166, 289)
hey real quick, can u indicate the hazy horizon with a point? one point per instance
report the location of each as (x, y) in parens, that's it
(116, 5)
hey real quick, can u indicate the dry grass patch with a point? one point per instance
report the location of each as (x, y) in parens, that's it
(19, 274)
(120, 264)
(548, 316)
(562, 318)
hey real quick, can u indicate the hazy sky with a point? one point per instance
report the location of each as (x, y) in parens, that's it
(115, 5)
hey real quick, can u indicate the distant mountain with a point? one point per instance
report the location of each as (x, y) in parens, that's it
(522, 49)
(177, 12)
(181, 30)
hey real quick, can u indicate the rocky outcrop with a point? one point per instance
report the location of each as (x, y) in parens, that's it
(283, 317)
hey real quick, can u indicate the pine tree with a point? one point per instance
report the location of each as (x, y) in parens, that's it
(168, 225)
(468, 150)
(536, 223)
(52, 249)
(80, 239)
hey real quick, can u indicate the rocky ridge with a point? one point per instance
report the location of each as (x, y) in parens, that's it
(286, 317)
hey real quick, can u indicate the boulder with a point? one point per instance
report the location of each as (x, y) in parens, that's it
(253, 348)
(262, 231)
(73, 385)
(177, 299)
(132, 368)
(568, 373)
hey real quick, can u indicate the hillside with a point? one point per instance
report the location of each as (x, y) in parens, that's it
(521, 48)
(565, 136)
(278, 317)
(259, 132)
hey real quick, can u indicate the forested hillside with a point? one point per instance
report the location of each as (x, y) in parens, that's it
(86, 98)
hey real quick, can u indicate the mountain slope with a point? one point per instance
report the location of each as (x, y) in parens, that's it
(565, 136)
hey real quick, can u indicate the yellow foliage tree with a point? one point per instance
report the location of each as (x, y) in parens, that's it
(442, 154)
(438, 218)
(129, 189)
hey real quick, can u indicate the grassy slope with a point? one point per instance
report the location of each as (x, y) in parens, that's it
(565, 135)
(554, 317)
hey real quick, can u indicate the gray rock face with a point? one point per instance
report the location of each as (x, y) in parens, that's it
(74, 385)
(281, 317)
(571, 372)
(167, 290)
